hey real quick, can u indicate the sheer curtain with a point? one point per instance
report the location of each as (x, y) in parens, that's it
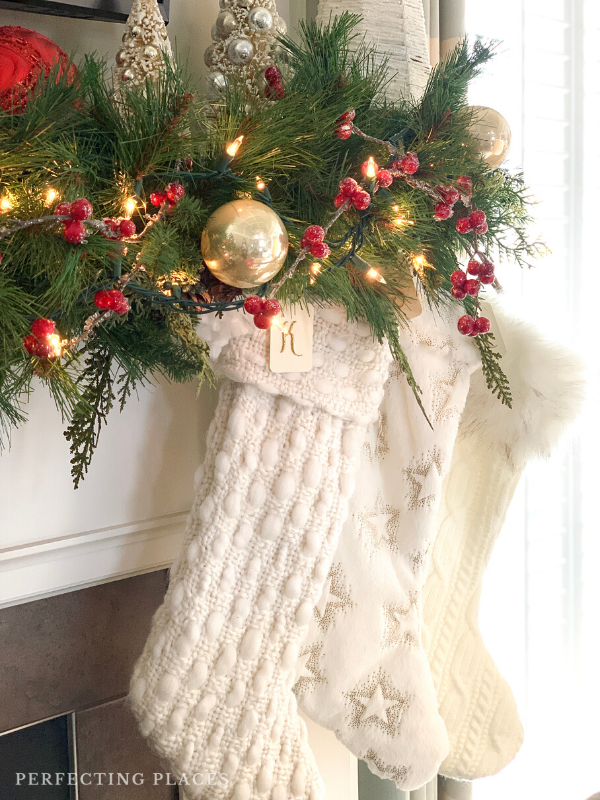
(540, 611)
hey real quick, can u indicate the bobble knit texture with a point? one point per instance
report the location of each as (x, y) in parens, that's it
(493, 446)
(362, 670)
(212, 688)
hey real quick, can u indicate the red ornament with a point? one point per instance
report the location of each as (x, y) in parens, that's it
(253, 304)
(463, 225)
(458, 292)
(63, 210)
(443, 211)
(449, 194)
(127, 228)
(314, 233)
(348, 116)
(471, 287)
(466, 325)
(41, 327)
(409, 163)
(344, 131)
(384, 178)
(477, 218)
(25, 56)
(271, 307)
(158, 198)
(487, 278)
(361, 200)
(339, 200)
(175, 192)
(458, 277)
(81, 209)
(465, 183)
(482, 325)
(118, 302)
(474, 267)
(319, 250)
(74, 231)
(102, 300)
(348, 187)
(263, 321)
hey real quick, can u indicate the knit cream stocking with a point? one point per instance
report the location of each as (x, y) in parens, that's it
(212, 687)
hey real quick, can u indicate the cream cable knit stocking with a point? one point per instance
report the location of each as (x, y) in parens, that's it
(362, 670)
(212, 687)
(493, 447)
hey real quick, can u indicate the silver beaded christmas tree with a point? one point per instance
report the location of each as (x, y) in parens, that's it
(244, 43)
(145, 44)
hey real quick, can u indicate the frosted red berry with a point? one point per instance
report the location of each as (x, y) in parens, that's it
(43, 349)
(74, 231)
(487, 278)
(482, 325)
(442, 211)
(477, 218)
(271, 307)
(471, 287)
(465, 183)
(348, 187)
(458, 292)
(361, 200)
(487, 268)
(449, 194)
(111, 224)
(463, 225)
(81, 209)
(384, 178)
(482, 228)
(275, 91)
(466, 325)
(344, 131)
(127, 228)
(175, 192)
(42, 327)
(29, 343)
(409, 163)
(458, 277)
(474, 267)
(272, 75)
(102, 300)
(348, 116)
(314, 233)
(263, 321)
(304, 242)
(158, 198)
(253, 304)
(118, 302)
(319, 250)
(339, 200)
(63, 209)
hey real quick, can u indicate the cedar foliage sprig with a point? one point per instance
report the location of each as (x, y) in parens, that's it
(75, 139)
(495, 379)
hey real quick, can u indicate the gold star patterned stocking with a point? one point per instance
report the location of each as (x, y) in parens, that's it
(362, 671)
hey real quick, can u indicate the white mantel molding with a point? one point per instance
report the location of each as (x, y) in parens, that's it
(40, 569)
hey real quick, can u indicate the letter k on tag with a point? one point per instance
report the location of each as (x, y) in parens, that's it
(291, 340)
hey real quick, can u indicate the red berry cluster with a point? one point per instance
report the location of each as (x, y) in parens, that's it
(262, 310)
(172, 194)
(473, 327)
(79, 210)
(344, 128)
(462, 285)
(350, 190)
(476, 221)
(445, 208)
(112, 300)
(39, 343)
(313, 239)
(408, 164)
(122, 229)
(274, 88)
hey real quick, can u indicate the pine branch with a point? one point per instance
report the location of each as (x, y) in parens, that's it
(495, 379)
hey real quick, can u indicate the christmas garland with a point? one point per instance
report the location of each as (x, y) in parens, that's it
(103, 203)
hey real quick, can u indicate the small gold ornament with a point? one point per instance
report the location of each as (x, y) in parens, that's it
(244, 243)
(492, 133)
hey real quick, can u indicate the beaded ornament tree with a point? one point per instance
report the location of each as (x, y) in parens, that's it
(244, 43)
(145, 44)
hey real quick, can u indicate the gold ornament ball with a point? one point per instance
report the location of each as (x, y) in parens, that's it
(492, 133)
(244, 243)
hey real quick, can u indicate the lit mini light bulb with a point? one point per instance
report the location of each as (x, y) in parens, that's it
(234, 146)
(54, 342)
(315, 269)
(370, 168)
(130, 205)
(260, 184)
(51, 196)
(5, 204)
(375, 276)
